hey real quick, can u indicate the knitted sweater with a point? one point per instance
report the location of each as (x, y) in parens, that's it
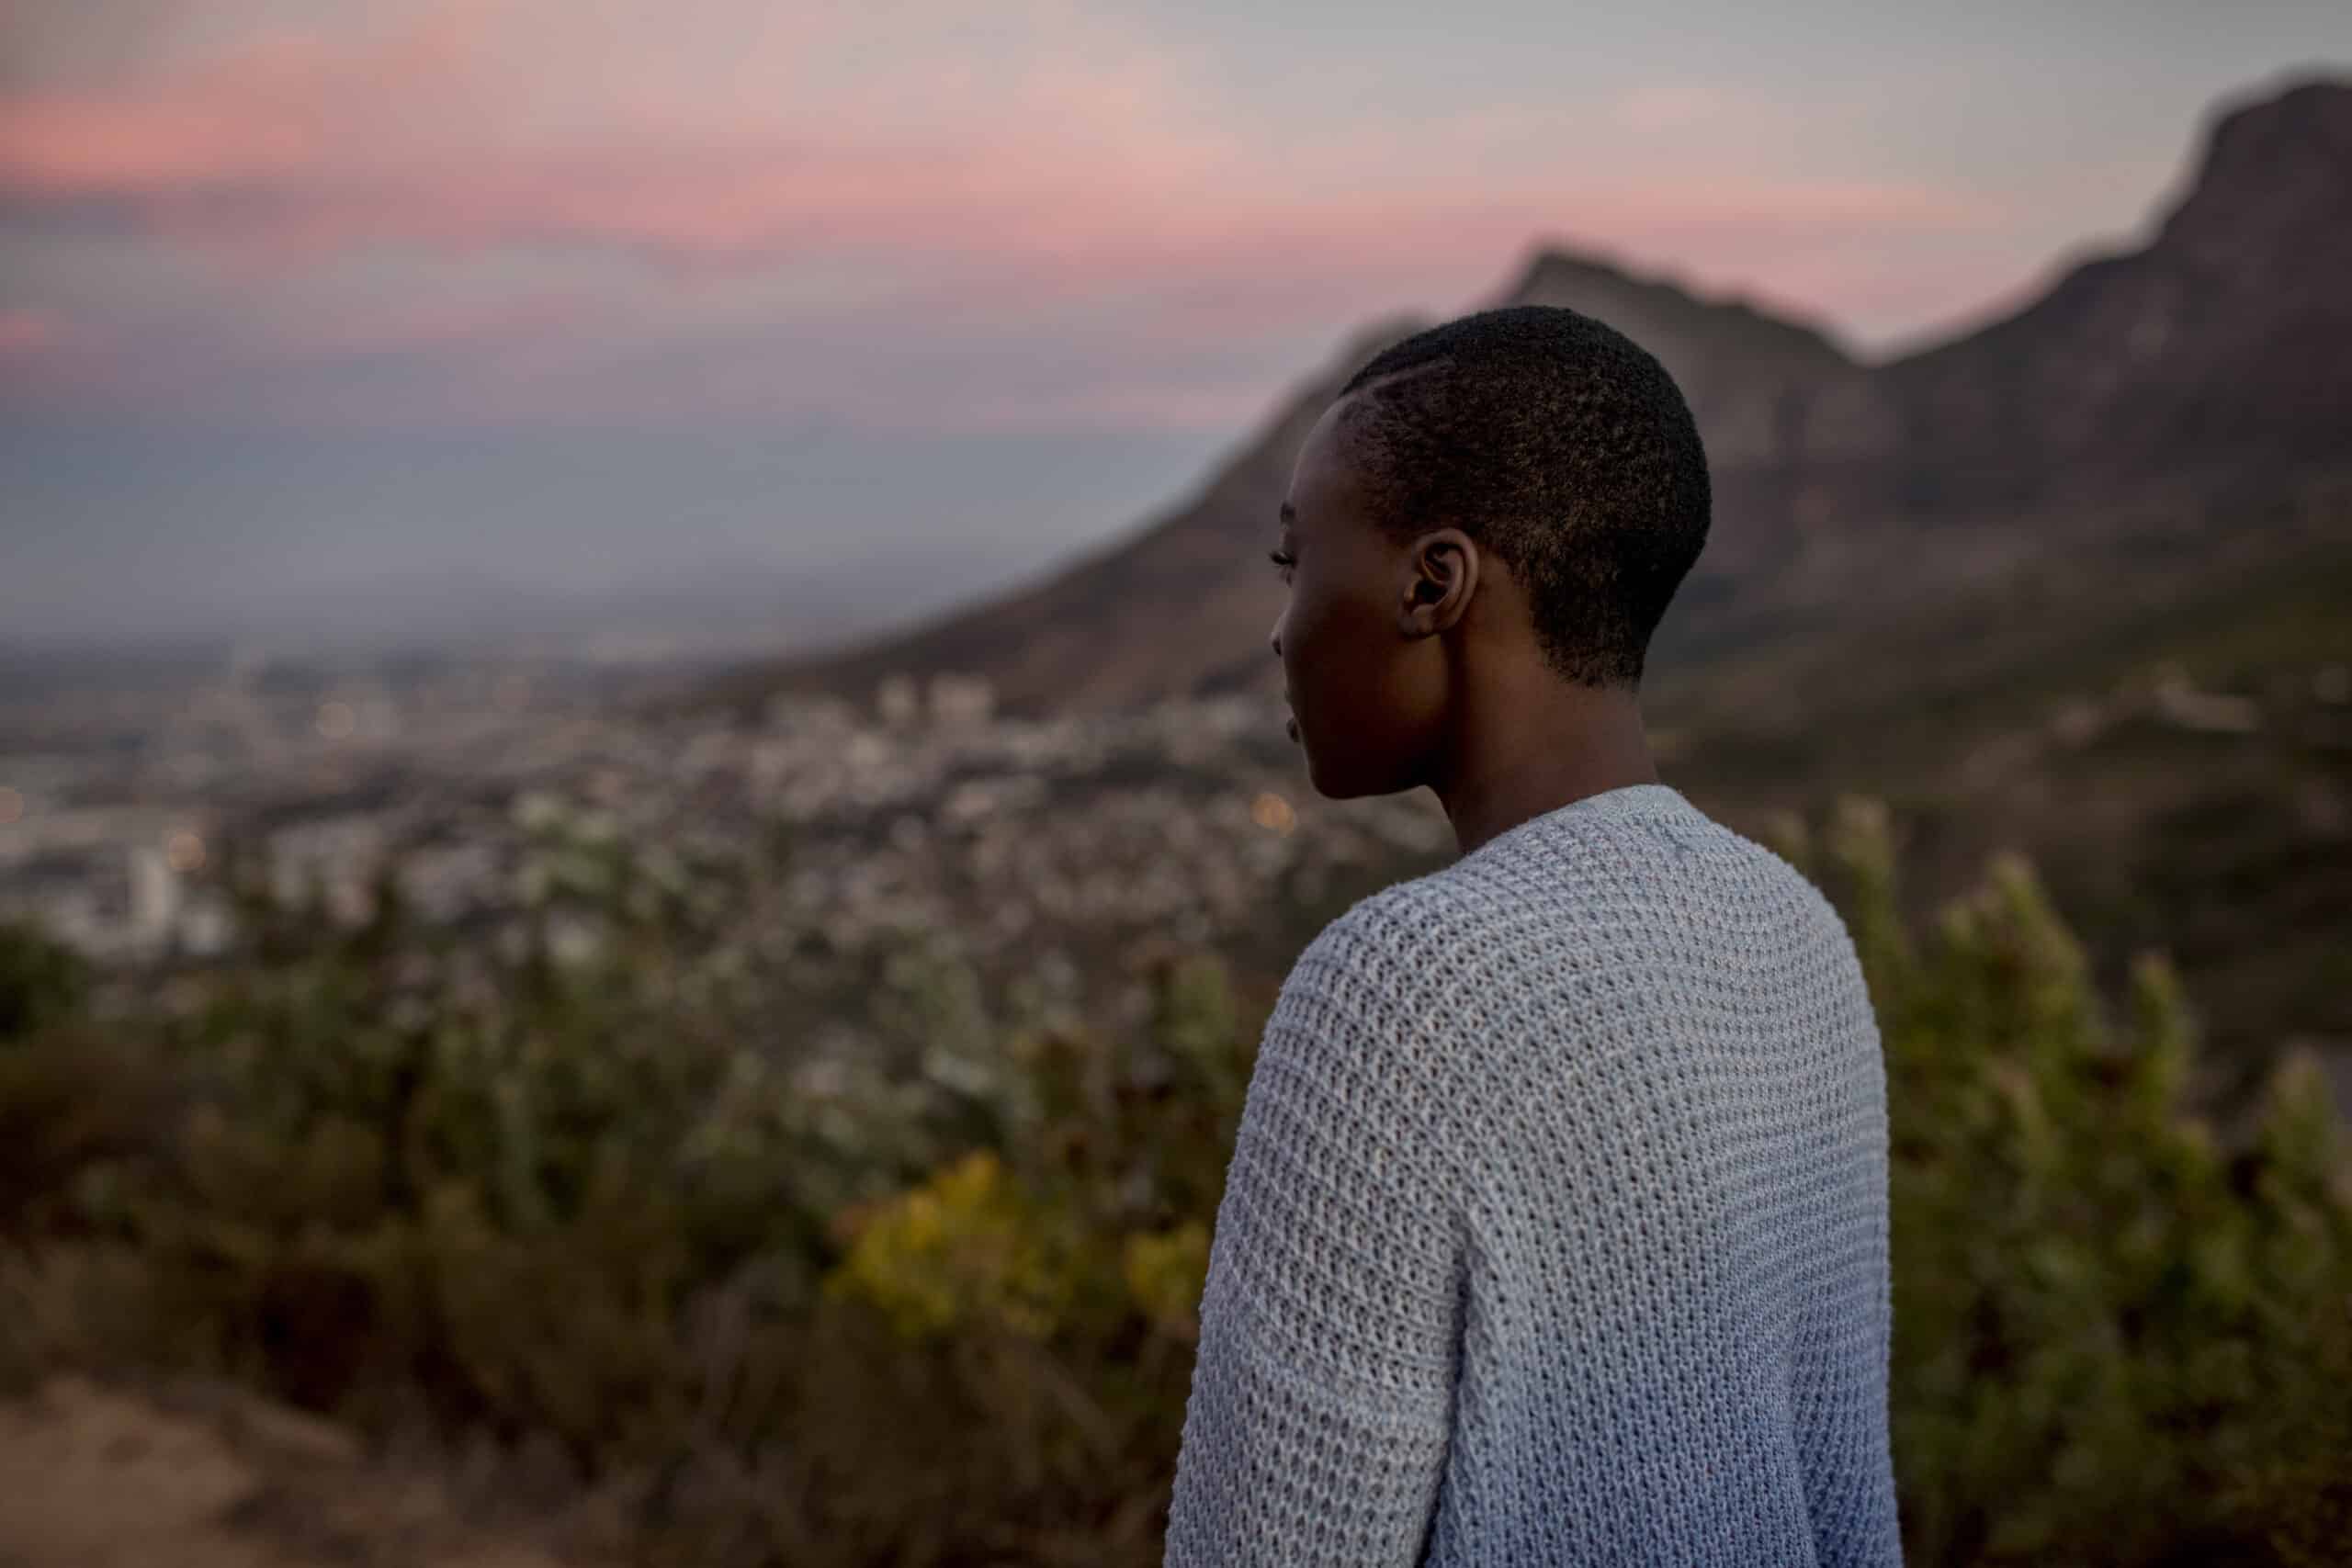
(1555, 1228)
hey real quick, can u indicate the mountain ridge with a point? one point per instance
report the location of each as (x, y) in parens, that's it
(2220, 349)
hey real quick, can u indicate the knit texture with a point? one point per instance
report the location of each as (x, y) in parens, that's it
(1555, 1228)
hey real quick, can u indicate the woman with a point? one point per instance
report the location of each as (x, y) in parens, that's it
(1555, 1230)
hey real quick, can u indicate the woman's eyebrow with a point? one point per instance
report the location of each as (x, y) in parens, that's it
(1288, 516)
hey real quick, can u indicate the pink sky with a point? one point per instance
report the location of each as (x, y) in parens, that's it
(548, 211)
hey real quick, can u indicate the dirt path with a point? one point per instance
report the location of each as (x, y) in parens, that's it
(91, 1477)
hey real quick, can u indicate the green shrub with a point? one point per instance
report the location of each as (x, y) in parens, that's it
(40, 982)
(928, 1297)
(2116, 1340)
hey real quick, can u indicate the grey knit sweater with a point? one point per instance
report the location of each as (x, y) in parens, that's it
(1555, 1230)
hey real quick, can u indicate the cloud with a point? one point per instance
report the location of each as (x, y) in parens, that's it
(1670, 106)
(47, 356)
(281, 107)
(1069, 165)
(25, 332)
(1032, 174)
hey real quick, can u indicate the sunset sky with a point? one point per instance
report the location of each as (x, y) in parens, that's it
(370, 318)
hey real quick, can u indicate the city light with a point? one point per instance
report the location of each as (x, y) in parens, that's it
(183, 851)
(1273, 812)
(336, 721)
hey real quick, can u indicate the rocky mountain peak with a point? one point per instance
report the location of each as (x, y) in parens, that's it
(2276, 178)
(1721, 351)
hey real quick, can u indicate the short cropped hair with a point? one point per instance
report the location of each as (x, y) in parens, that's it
(1559, 444)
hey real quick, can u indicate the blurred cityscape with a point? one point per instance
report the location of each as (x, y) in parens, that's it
(129, 795)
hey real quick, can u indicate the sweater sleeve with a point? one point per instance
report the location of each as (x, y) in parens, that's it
(1322, 1396)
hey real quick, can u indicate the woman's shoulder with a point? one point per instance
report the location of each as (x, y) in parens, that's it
(1405, 972)
(1432, 921)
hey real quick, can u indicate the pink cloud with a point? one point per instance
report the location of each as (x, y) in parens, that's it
(1079, 175)
(283, 107)
(24, 333)
(1096, 160)
(748, 203)
(973, 251)
(1671, 106)
(47, 358)
(65, 149)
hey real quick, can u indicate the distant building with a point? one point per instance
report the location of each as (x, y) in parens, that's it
(155, 896)
(962, 699)
(897, 702)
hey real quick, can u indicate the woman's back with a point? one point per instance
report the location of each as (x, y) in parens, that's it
(1556, 1228)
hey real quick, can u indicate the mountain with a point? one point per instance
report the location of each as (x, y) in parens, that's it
(2112, 441)
(2137, 395)
(2226, 335)
(2222, 343)
(1186, 603)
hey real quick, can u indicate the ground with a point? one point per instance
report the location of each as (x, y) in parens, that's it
(99, 1477)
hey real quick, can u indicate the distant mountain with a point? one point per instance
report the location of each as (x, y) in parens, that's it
(1187, 603)
(2228, 334)
(2119, 436)
(2224, 340)
(2138, 393)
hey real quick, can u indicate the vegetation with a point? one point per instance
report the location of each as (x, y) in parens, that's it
(2023, 704)
(926, 1295)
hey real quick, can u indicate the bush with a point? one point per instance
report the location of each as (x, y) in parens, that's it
(926, 1295)
(2116, 1340)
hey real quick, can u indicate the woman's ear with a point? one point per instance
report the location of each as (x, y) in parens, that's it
(1440, 574)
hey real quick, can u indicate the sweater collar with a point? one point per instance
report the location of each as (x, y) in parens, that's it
(1624, 803)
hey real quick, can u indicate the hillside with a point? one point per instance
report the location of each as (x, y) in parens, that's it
(2174, 386)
